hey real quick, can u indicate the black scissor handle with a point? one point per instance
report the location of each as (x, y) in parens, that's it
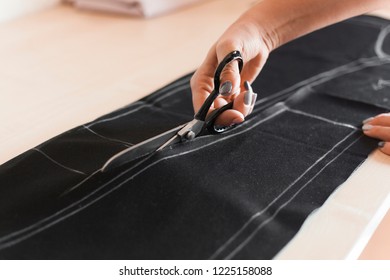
(210, 120)
(234, 55)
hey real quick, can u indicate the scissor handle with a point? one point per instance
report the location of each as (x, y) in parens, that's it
(210, 120)
(234, 55)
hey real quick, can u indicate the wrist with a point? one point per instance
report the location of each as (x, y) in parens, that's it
(259, 27)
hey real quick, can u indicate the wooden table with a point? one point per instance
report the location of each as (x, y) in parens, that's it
(62, 67)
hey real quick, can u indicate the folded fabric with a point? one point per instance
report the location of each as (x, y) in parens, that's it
(142, 8)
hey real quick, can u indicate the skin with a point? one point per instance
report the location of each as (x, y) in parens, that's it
(266, 26)
(379, 127)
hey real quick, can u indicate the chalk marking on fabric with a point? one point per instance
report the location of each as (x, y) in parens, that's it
(249, 238)
(53, 219)
(258, 214)
(316, 80)
(322, 77)
(57, 163)
(127, 144)
(380, 84)
(186, 86)
(174, 84)
(378, 50)
(98, 121)
(328, 75)
(143, 105)
(302, 83)
(322, 118)
(379, 43)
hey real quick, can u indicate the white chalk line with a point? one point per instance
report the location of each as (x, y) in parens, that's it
(127, 144)
(299, 112)
(257, 214)
(250, 237)
(57, 163)
(260, 101)
(46, 222)
(143, 105)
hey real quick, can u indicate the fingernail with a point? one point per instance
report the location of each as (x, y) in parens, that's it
(249, 93)
(248, 98)
(254, 97)
(247, 86)
(226, 88)
(367, 127)
(381, 144)
(367, 120)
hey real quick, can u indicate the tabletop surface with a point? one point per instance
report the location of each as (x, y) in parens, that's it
(63, 67)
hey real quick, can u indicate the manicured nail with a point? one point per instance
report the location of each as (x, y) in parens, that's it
(367, 127)
(249, 93)
(367, 120)
(226, 88)
(247, 86)
(254, 97)
(248, 98)
(381, 144)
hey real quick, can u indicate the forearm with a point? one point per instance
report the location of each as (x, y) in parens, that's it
(266, 26)
(280, 21)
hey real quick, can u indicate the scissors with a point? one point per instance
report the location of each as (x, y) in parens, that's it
(201, 123)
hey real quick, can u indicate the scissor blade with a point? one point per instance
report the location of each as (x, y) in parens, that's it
(142, 149)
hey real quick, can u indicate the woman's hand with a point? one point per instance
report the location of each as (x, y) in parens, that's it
(379, 127)
(264, 27)
(245, 37)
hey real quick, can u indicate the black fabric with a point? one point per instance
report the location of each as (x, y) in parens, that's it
(242, 194)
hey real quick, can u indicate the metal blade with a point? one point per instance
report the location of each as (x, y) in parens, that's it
(143, 148)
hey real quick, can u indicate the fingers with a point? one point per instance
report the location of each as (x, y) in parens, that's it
(231, 87)
(230, 80)
(202, 82)
(230, 117)
(245, 101)
(253, 67)
(376, 131)
(379, 127)
(242, 106)
(382, 120)
(384, 147)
